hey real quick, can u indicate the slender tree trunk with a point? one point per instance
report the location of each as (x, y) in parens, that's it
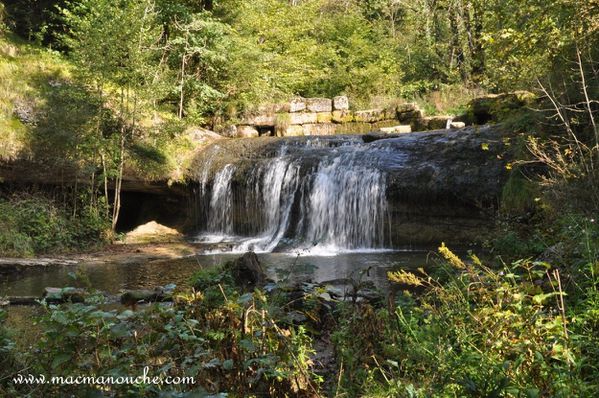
(457, 52)
(116, 207)
(475, 34)
(105, 175)
(583, 82)
(182, 88)
(75, 193)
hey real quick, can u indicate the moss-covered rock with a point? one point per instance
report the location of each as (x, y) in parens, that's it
(343, 116)
(496, 107)
(324, 117)
(369, 116)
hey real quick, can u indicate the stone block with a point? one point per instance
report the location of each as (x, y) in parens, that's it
(390, 113)
(273, 108)
(302, 118)
(292, 131)
(319, 105)
(458, 125)
(369, 116)
(436, 122)
(297, 105)
(247, 132)
(410, 116)
(229, 131)
(384, 123)
(260, 120)
(342, 116)
(408, 107)
(320, 129)
(340, 103)
(324, 117)
(396, 129)
(354, 128)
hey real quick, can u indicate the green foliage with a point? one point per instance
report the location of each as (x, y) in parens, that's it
(113, 41)
(8, 361)
(34, 224)
(236, 345)
(519, 194)
(474, 331)
(199, 49)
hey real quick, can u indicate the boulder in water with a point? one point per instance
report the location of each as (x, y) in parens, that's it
(132, 297)
(56, 295)
(247, 271)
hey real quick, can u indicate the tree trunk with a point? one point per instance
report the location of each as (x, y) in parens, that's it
(116, 207)
(475, 27)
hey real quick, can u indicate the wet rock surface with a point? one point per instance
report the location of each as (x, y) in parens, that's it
(247, 271)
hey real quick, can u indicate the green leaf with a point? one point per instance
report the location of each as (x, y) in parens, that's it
(541, 298)
(60, 317)
(228, 364)
(120, 330)
(60, 359)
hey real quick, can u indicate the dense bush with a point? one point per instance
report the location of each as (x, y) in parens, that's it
(240, 345)
(476, 331)
(34, 224)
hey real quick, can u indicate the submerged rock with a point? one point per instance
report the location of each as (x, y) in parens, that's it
(247, 271)
(56, 295)
(159, 294)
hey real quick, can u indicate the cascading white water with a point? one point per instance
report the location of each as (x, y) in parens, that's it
(330, 203)
(220, 215)
(347, 206)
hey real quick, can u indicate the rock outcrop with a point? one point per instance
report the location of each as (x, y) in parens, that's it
(439, 186)
(493, 107)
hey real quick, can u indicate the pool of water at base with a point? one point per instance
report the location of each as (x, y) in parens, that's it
(114, 277)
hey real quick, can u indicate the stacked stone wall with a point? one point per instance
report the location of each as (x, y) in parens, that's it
(326, 116)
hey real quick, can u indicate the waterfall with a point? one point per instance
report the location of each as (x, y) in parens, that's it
(310, 195)
(221, 202)
(347, 206)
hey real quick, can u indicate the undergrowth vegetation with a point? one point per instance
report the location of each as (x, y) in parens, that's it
(36, 224)
(520, 330)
